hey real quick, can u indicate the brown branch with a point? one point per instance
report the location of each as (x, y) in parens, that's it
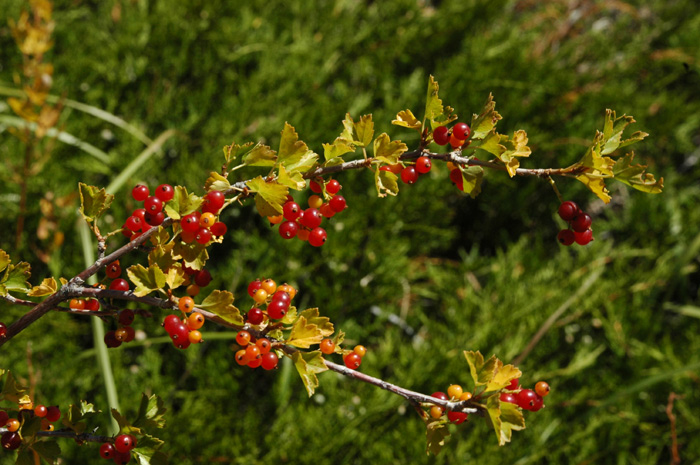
(79, 438)
(675, 456)
(16, 301)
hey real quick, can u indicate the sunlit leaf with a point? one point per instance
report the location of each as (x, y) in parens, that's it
(388, 151)
(182, 203)
(294, 154)
(93, 201)
(231, 152)
(260, 155)
(216, 182)
(309, 364)
(48, 286)
(484, 122)
(386, 183)
(221, 304)
(407, 119)
(294, 180)
(636, 175)
(270, 196)
(146, 280)
(482, 371)
(304, 334)
(338, 148)
(360, 132)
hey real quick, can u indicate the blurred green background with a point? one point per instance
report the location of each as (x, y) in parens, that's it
(418, 278)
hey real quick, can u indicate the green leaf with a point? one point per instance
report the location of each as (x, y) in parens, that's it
(47, 287)
(386, 183)
(338, 340)
(11, 390)
(221, 304)
(25, 457)
(484, 122)
(194, 255)
(182, 203)
(232, 151)
(406, 119)
(74, 418)
(162, 255)
(472, 176)
(124, 426)
(216, 182)
(294, 180)
(482, 371)
(309, 364)
(434, 110)
(613, 130)
(386, 151)
(4, 260)
(360, 133)
(151, 413)
(305, 334)
(290, 317)
(260, 155)
(340, 146)
(324, 323)
(93, 201)
(270, 196)
(146, 280)
(146, 450)
(436, 433)
(175, 276)
(48, 450)
(293, 154)
(30, 427)
(505, 418)
(636, 176)
(16, 278)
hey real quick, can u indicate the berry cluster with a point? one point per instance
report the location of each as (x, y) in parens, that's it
(125, 333)
(120, 451)
(306, 224)
(456, 137)
(526, 399)
(113, 272)
(255, 352)
(455, 393)
(92, 305)
(352, 359)
(11, 439)
(579, 229)
(186, 331)
(277, 299)
(143, 219)
(201, 226)
(409, 174)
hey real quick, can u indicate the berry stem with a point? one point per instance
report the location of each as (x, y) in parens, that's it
(556, 190)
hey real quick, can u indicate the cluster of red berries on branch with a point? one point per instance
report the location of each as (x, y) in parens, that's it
(455, 393)
(409, 174)
(255, 352)
(456, 137)
(11, 439)
(306, 224)
(579, 229)
(526, 399)
(184, 332)
(143, 219)
(277, 300)
(352, 359)
(124, 333)
(201, 226)
(120, 451)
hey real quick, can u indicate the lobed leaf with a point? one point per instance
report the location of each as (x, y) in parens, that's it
(332, 152)
(304, 334)
(16, 278)
(406, 119)
(260, 155)
(270, 196)
(221, 304)
(309, 364)
(504, 375)
(93, 201)
(146, 280)
(216, 182)
(386, 183)
(505, 418)
(324, 323)
(293, 180)
(232, 151)
(47, 287)
(359, 133)
(484, 122)
(193, 255)
(472, 177)
(294, 154)
(388, 151)
(74, 418)
(162, 255)
(636, 176)
(435, 112)
(436, 433)
(613, 130)
(151, 413)
(4, 260)
(182, 203)
(482, 371)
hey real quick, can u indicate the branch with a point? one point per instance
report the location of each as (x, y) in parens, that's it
(79, 438)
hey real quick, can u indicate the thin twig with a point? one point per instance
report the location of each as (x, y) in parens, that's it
(675, 456)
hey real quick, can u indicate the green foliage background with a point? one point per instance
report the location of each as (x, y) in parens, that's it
(455, 273)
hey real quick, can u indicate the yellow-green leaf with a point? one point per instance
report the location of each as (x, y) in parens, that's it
(636, 175)
(16, 278)
(386, 183)
(305, 334)
(338, 148)
(388, 151)
(4, 260)
(406, 119)
(232, 151)
(294, 154)
(162, 255)
(175, 276)
(484, 122)
(434, 110)
(472, 176)
(221, 304)
(260, 155)
(216, 182)
(613, 130)
(292, 180)
(361, 132)
(323, 323)
(515, 147)
(47, 287)
(436, 433)
(309, 364)
(503, 377)
(270, 196)
(596, 183)
(482, 371)
(182, 203)
(146, 280)
(93, 201)
(505, 418)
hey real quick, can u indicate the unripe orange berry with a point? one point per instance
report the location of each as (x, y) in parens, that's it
(77, 304)
(243, 338)
(12, 425)
(360, 350)
(207, 219)
(192, 290)
(327, 346)
(195, 320)
(542, 388)
(465, 396)
(195, 336)
(454, 391)
(436, 411)
(277, 219)
(186, 304)
(315, 201)
(241, 357)
(269, 286)
(260, 295)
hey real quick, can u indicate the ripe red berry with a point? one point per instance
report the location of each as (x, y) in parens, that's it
(315, 187)
(218, 229)
(53, 413)
(10, 440)
(179, 333)
(409, 175)
(457, 417)
(165, 192)
(202, 278)
(113, 270)
(581, 222)
(333, 186)
(461, 131)
(439, 395)
(289, 229)
(508, 397)
(277, 309)
(441, 135)
(111, 340)
(269, 361)
(291, 210)
(126, 317)
(124, 443)
(255, 316)
(568, 210)
(337, 203)
(92, 304)
(213, 202)
(312, 218)
(203, 236)
(140, 193)
(526, 398)
(134, 223)
(423, 165)
(119, 284)
(3, 330)
(107, 451)
(352, 361)
(190, 223)
(40, 411)
(170, 322)
(4, 417)
(153, 204)
(317, 237)
(457, 179)
(513, 384)
(538, 404)
(583, 238)
(566, 237)
(153, 219)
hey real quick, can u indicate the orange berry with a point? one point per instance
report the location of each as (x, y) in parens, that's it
(277, 219)
(186, 304)
(327, 346)
(77, 304)
(436, 411)
(195, 320)
(207, 219)
(454, 391)
(465, 396)
(243, 338)
(195, 336)
(542, 388)
(360, 350)
(269, 286)
(260, 295)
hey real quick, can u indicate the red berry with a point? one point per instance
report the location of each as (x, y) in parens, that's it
(527, 399)
(315, 187)
(513, 384)
(583, 238)
(179, 333)
(282, 295)
(291, 211)
(53, 413)
(581, 222)
(254, 286)
(40, 411)
(508, 397)
(461, 131)
(203, 236)
(566, 237)
(218, 229)
(538, 404)
(213, 201)
(113, 270)
(269, 361)
(439, 395)
(337, 203)
(352, 361)
(423, 165)
(457, 179)
(202, 278)
(190, 223)
(153, 204)
(107, 451)
(568, 210)
(134, 223)
(441, 135)
(126, 317)
(119, 284)
(140, 193)
(288, 229)
(111, 340)
(170, 322)
(317, 237)
(409, 175)
(277, 309)
(4, 416)
(255, 316)
(457, 417)
(333, 186)
(154, 219)
(10, 440)
(3, 330)
(92, 304)
(312, 218)
(165, 192)
(124, 443)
